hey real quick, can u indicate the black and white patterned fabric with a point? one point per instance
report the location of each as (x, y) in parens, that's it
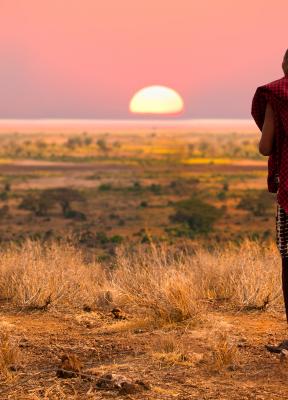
(281, 219)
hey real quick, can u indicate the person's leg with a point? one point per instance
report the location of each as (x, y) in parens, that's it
(285, 283)
(284, 343)
(282, 244)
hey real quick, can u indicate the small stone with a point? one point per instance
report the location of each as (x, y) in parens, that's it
(87, 308)
(70, 366)
(128, 388)
(105, 381)
(118, 314)
(61, 373)
(121, 383)
(139, 331)
(24, 343)
(144, 385)
(283, 355)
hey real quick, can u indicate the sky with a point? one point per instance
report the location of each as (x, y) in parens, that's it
(87, 58)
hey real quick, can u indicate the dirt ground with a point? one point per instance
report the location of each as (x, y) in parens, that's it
(104, 345)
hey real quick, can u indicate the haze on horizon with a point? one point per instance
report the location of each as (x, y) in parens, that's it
(86, 59)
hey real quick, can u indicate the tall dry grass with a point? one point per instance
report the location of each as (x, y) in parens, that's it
(35, 275)
(153, 281)
(10, 355)
(175, 286)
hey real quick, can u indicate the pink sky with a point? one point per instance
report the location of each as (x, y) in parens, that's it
(86, 58)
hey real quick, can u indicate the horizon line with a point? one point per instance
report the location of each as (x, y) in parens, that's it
(123, 119)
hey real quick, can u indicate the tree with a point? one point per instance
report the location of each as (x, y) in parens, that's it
(198, 215)
(102, 144)
(64, 197)
(259, 203)
(36, 203)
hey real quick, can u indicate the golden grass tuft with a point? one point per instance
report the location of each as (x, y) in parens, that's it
(160, 283)
(224, 353)
(10, 356)
(37, 276)
(170, 349)
(153, 284)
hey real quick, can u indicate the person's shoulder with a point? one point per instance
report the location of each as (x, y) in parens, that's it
(276, 83)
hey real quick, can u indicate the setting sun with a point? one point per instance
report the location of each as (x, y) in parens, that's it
(156, 100)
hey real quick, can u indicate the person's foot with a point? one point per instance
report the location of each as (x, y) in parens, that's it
(277, 349)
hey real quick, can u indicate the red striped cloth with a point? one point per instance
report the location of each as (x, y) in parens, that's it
(276, 93)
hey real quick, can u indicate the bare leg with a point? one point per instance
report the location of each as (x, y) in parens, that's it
(285, 283)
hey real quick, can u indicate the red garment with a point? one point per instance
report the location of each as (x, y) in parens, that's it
(276, 93)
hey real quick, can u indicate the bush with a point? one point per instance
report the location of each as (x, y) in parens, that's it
(36, 203)
(73, 214)
(198, 215)
(221, 195)
(63, 196)
(155, 188)
(40, 203)
(104, 187)
(258, 203)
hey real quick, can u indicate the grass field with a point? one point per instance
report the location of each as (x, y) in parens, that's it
(138, 266)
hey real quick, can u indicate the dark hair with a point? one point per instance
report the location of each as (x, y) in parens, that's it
(286, 56)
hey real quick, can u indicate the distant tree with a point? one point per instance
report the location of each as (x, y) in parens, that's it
(7, 187)
(73, 142)
(36, 203)
(102, 144)
(64, 197)
(225, 186)
(203, 147)
(197, 214)
(258, 203)
(117, 144)
(191, 149)
(87, 140)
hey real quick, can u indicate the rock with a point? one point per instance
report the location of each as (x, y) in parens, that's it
(121, 383)
(61, 373)
(129, 388)
(105, 381)
(139, 331)
(24, 343)
(70, 366)
(117, 313)
(284, 356)
(144, 385)
(277, 349)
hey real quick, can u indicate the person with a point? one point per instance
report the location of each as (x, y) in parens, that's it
(270, 112)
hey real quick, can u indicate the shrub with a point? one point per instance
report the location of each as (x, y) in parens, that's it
(259, 203)
(73, 214)
(198, 215)
(155, 188)
(63, 196)
(36, 203)
(104, 187)
(36, 275)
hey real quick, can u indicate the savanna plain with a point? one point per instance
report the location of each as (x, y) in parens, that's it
(139, 265)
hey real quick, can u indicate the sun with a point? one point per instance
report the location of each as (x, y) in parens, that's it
(156, 100)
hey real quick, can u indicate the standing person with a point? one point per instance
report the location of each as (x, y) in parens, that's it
(270, 112)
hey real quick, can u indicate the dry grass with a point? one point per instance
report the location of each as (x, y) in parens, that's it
(153, 285)
(246, 276)
(152, 282)
(35, 276)
(169, 348)
(173, 286)
(10, 356)
(160, 283)
(224, 352)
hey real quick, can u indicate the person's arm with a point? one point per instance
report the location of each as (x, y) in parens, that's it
(266, 141)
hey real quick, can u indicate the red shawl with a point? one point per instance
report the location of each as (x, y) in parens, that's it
(276, 93)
